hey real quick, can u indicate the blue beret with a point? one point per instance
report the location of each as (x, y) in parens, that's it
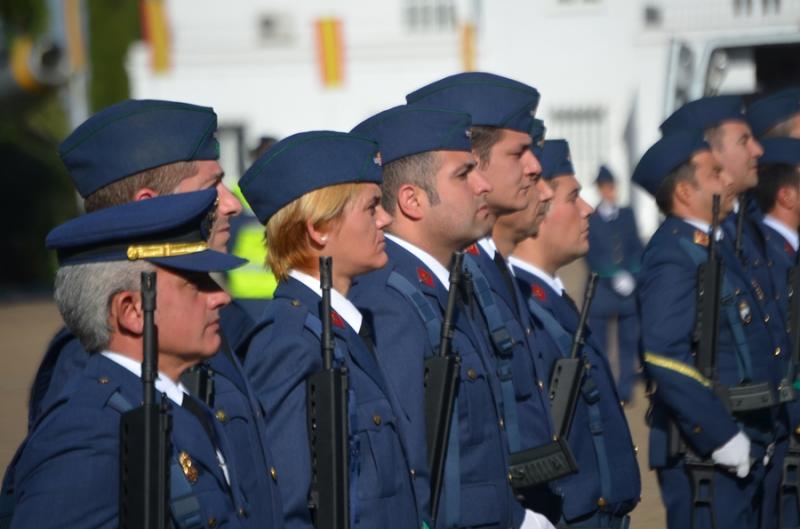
(169, 230)
(304, 162)
(491, 100)
(704, 113)
(136, 135)
(411, 129)
(666, 155)
(780, 150)
(604, 175)
(556, 159)
(767, 112)
(538, 131)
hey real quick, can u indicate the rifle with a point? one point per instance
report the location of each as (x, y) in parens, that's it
(441, 383)
(328, 425)
(565, 383)
(740, 216)
(144, 437)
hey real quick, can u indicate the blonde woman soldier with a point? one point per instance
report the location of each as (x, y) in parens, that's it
(318, 194)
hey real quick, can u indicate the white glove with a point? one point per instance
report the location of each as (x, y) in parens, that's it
(735, 454)
(623, 283)
(534, 520)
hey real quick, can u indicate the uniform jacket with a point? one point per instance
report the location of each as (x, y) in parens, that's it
(667, 291)
(614, 246)
(281, 355)
(67, 473)
(403, 346)
(582, 491)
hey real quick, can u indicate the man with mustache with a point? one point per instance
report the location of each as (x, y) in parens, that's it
(607, 484)
(136, 150)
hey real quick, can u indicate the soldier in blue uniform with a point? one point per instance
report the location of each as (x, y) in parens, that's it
(67, 471)
(135, 150)
(615, 252)
(723, 121)
(682, 173)
(438, 202)
(503, 113)
(318, 194)
(607, 485)
(776, 115)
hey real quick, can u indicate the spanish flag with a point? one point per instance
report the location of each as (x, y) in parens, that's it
(330, 51)
(155, 31)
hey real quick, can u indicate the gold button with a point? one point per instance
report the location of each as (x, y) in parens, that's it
(540, 384)
(635, 449)
(273, 473)
(413, 473)
(103, 380)
(295, 303)
(221, 415)
(502, 423)
(376, 419)
(697, 429)
(797, 431)
(509, 477)
(777, 351)
(241, 512)
(601, 502)
(766, 318)
(528, 330)
(738, 291)
(212, 522)
(472, 374)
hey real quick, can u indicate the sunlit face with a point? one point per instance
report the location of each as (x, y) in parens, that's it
(210, 175)
(709, 181)
(738, 152)
(355, 240)
(564, 231)
(462, 215)
(187, 314)
(509, 170)
(608, 192)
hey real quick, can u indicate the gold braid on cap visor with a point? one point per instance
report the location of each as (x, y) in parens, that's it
(169, 249)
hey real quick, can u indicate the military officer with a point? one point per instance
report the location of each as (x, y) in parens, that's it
(776, 115)
(607, 484)
(438, 202)
(135, 150)
(615, 252)
(67, 472)
(318, 194)
(503, 113)
(682, 173)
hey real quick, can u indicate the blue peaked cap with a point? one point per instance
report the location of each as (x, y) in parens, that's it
(168, 230)
(410, 129)
(666, 155)
(604, 175)
(704, 113)
(136, 135)
(555, 159)
(491, 100)
(780, 150)
(304, 162)
(538, 131)
(767, 112)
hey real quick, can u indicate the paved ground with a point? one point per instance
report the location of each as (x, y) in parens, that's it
(26, 328)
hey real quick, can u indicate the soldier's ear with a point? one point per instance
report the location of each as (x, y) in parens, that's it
(684, 191)
(125, 313)
(319, 237)
(144, 193)
(787, 197)
(411, 201)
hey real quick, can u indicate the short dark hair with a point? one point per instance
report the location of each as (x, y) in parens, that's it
(416, 169)
(771, 178)
(162, 179)
(666, 190)
(483, 139)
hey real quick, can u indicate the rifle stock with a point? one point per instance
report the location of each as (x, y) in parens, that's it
(441, 384)
(328, 426)
(144, 437)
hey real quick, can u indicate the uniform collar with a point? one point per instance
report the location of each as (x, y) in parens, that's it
(786, 232)
(441, 273)
(488, 245)
(704, 226)
(164, 384)
(339, 303)
(553, 282)
(607, 211)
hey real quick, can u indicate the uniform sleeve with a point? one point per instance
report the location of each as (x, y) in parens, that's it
(667, 299)
(67, 475)
(279, 360)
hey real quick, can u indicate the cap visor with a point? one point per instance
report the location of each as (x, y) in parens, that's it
(205, 261)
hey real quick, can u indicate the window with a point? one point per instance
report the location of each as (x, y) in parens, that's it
(586, 130)
(430, 15)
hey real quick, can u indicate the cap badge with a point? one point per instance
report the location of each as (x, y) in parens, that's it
(378, 160)
(188, 467)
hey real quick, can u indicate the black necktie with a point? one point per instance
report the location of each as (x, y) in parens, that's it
(366, 334)
(570, 301)
(196, 409)
(504, 271)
